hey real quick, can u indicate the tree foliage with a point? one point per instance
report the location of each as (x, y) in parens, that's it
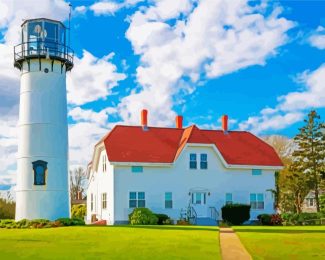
(7, 207)
(308, 158)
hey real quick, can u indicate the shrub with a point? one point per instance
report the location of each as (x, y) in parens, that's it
(38, 223)
(24, 223)
(71, 221)
(142, 216)
(78, 211)
(301, 218)
(183, 222)
(168, 222)
(236, 214)
(264, 219)
(161, 218)
(7, 223)
(276, 220)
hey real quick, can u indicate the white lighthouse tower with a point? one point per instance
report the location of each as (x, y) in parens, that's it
(43, 58)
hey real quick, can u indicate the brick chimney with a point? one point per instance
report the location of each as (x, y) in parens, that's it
(144, 119)
(224, 122)
(179, 122)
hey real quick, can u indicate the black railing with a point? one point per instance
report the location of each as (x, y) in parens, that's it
(43, 49)
(192, 215)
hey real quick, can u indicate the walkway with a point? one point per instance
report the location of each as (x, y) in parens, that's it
(231, 247)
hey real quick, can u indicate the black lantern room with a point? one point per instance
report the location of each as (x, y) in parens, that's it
(43, 38)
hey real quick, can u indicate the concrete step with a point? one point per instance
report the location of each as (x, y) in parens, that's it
(206, 222)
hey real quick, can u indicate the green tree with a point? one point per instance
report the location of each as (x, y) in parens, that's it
(308, 158)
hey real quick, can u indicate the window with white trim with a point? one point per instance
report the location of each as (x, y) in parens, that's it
(199, 198)
(137, 169)
(257, 200)
(104, 200)
(193, 162)
(104, 162)
(228, 198)
(91, 202)
(310, 202)
(256, 172)
(204, 161)
(137, 199)
(168, 200)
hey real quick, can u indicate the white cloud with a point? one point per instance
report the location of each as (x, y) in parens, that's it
(8, 149)
(291, 107)
(318, 38)
(12, 13)
(92, 78)
(184, 42)
(104, 8)
(88, 115)
(107, 7)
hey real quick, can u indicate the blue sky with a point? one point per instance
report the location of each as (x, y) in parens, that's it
(260, 62)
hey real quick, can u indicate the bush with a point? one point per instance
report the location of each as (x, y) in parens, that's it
(78, 211)
(71, 221)
(236, 214)
(270, 219)
(183, 222)
(301, 218)
(264, 219)
(276, 220)
(7, 223)
(162, 218)
(143, 216)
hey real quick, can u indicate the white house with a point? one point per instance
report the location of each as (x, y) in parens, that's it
(171, 170)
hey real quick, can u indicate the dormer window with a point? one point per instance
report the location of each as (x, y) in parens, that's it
(39, 168)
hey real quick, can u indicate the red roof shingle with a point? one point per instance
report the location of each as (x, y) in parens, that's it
(164, 145)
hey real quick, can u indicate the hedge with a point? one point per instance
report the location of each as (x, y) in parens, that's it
(40, 223)
(236, 214)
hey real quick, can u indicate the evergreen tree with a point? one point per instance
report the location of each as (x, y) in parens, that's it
(309, 158)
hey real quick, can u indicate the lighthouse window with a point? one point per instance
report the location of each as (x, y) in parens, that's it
(39, 168)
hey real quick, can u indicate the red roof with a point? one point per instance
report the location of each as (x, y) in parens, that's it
(163, 145)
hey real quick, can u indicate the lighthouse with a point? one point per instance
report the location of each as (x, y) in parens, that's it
(43, 58)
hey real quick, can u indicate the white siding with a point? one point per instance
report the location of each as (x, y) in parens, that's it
(101, 182)
(180, 180)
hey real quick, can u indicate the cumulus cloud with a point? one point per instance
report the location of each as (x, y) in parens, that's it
(291, 106)
(92, 78)
(107, 7)
(12, 13)
(182, 42)
(317, 39)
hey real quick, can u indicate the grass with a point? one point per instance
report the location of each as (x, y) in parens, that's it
(117, 242)
(298, 242)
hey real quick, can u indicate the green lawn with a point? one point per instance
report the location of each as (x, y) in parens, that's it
(117, 242)
(298, 242)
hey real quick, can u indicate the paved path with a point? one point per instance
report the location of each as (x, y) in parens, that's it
(231, 247)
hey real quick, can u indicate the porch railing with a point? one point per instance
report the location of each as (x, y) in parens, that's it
(191, 215)
(214, 214)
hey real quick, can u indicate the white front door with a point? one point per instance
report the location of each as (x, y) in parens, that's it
(199, 203)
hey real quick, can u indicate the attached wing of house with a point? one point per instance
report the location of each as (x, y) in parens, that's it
(168, 150)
